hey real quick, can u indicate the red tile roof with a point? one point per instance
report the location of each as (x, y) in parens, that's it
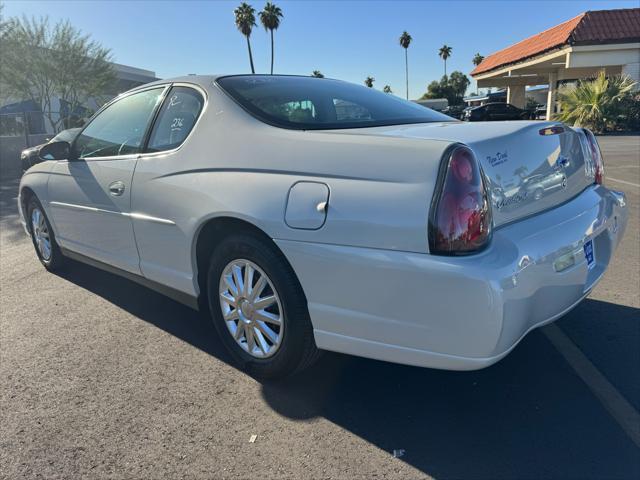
(603, 26)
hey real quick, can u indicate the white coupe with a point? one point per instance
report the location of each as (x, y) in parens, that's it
(312, 214)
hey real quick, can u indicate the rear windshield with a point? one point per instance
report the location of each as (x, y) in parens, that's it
(307, 103)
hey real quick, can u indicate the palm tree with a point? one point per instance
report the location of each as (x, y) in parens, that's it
(477, 59)
(596, 103)
(317, 74)
(444, 53)
(245, 21)
(405, 40)
(369, 81)
(270, 18)
(387, 89)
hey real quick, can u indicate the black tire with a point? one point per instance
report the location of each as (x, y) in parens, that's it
(55, 260)
(297, 349)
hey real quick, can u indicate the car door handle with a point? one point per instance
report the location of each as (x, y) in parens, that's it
(116, 188)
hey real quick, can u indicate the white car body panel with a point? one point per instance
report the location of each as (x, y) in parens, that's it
(457, 312)
(103, 230)
(372, 287)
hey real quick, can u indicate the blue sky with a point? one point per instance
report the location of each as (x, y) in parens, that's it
(344, 39)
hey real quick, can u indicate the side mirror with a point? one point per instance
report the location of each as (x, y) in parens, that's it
(55, 151)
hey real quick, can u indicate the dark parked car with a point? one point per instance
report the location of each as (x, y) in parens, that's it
(540, 112)
(454, 111)
(29, 156)
(496, 111)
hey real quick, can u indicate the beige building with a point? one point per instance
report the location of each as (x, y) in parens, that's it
(579, 48)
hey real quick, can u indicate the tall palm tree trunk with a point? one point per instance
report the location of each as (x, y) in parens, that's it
(445, 67)
(271, 52)
(406, 70)
(253, 70)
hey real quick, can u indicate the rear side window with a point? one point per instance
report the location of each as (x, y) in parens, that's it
(176, 119)
(120, 128)
(306, 103)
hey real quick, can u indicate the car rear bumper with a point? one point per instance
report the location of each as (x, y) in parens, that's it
(458, 313)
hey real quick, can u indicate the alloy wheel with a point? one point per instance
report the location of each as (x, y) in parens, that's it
(41, 234)
(251, 308)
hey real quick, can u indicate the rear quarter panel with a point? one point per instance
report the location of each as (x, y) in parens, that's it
(234, 165)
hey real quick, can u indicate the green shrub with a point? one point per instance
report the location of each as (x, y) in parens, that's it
(596, 104)
(629, 117)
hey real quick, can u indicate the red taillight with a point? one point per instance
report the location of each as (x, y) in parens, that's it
(596, 156)
(460, 218)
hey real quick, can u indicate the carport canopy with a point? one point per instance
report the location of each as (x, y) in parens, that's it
(594, 41)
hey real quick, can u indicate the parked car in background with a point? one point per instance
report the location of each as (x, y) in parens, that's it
(540, 113)
(454, 111)
(495, 111)
(437, 104)
(29, 156)
(397, 234)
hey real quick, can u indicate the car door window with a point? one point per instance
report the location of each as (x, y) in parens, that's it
(120, 128)
(176, 119)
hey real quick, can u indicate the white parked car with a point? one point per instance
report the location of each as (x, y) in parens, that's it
(312, 214)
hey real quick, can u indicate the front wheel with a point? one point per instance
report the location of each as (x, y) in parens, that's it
(259, 308)
(43, 237)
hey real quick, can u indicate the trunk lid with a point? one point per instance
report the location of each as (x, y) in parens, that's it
(527, 172)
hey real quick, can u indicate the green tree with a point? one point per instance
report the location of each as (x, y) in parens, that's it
(42, 63)
(387, 89)
(4, 24)
(477, 59)
(317, 74)
(369, 81)
(405, 41)
(452, 88)
(444, 53)
(245, 21)
(597, 103)
(530, 106)
(459, 83)
(270, 18)
(439, 89)
(630, 119)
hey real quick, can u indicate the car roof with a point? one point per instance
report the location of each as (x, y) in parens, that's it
(207, 80)
(202, 80)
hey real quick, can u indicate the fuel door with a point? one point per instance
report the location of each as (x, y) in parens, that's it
(307, 205)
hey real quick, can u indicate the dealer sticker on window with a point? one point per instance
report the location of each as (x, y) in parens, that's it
(589, 254)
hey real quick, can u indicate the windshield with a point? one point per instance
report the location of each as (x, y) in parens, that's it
(307, 103)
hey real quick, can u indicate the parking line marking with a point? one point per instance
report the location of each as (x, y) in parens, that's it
(618, 407)
(623, 181)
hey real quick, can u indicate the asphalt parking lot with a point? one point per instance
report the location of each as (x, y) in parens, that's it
(102, 378)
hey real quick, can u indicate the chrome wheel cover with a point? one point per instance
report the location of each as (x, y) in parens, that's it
(41, 234)
(251, 308)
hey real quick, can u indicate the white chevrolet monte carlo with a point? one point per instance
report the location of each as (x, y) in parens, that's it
(312, 214)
